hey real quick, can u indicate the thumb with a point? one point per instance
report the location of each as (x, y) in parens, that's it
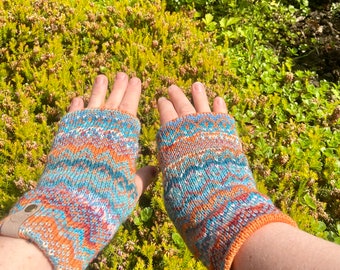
(144, 176)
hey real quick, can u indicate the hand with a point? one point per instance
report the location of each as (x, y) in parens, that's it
(125, 96)
(209, 191)
(89, 185)
(179, 105)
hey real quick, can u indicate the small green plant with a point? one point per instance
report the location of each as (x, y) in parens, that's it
(145, 215)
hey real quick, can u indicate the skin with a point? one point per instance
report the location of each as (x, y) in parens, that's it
(274, 246)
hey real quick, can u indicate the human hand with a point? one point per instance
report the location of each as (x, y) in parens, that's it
(124, 97)
(179, 105)
(89, 185)
(209, 190)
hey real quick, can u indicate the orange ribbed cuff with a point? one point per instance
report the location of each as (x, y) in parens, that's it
(250, 229)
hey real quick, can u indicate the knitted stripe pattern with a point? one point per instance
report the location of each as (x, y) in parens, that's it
(87, 189)
(209, 190)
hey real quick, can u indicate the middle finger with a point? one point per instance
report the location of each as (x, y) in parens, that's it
(98, 93)
(200, 98)
(118, 91)
(181, 103)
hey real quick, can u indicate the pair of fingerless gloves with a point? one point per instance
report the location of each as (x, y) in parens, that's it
(87, 189)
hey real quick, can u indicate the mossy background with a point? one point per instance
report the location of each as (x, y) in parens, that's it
(51, 51)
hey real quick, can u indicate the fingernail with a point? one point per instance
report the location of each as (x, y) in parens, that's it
(161, 99)
(75, 101)
(101, 78)
(219, 100)
(120, 75)
(198, 87)
(135, 81)
(172, 87)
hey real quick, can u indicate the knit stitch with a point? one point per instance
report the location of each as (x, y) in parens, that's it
(87, 189)
(209, 190)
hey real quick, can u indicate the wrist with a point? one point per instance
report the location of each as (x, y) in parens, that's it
(69, 227)
(21, 254)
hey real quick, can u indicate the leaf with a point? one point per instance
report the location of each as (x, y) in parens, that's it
(146, 214)
(208, 18)
(197, 15)
(176, 237)
(337, 240)
(305, 3)
(223, 22)
(233, 20)
(137, 221)
(309, 201)
(321, 226)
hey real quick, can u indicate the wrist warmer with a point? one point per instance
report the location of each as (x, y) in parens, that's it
(87, 189)
(209, 190)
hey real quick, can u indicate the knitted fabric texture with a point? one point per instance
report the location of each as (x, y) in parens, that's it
(209, 190)
(87, 189)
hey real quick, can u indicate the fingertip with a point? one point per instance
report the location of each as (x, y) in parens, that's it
(77, 104)
(197, 87)
(200, 98)
(135, 80)
(136, 83)
(161, 99)
(121, 76)
(100, 80)
(172, 88)
(118, 90)
(98, 93)
(180, 102)
(219, 105)
(130, 100)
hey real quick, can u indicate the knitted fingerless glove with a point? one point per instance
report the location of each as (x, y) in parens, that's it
(209, 190)
(86, 191)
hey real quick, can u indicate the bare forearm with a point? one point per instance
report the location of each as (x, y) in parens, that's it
(280, 246)
(21, 254)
